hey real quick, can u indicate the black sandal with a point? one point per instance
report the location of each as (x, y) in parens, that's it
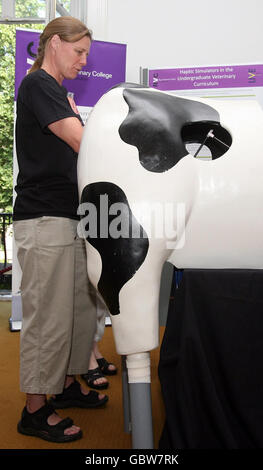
(104, 366)
(91, 376)
(35, 424)
(72, 396)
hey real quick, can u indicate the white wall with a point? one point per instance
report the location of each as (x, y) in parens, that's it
(180, 32)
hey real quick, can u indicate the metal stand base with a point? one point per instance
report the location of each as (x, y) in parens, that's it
(14, 325)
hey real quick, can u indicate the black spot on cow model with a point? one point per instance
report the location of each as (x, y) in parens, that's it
(160, 126)
(114, 231)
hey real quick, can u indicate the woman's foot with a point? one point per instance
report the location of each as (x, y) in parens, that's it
(74, 395)
(93, 379)
(35, 402)
(100, 381)
(111, 369)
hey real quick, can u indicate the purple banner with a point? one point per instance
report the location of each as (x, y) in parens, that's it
(105, 67)
(194, 78)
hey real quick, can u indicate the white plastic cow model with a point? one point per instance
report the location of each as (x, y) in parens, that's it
(146, 200)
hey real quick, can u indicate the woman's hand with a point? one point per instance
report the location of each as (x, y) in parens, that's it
(73, 104)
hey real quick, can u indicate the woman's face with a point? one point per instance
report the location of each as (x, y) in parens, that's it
(72, 56)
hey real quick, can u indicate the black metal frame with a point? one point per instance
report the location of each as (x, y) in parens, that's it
(5, 220)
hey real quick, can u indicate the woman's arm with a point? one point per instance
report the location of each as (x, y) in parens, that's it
(70, 130)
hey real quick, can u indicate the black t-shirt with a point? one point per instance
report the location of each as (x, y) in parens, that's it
(47, 178)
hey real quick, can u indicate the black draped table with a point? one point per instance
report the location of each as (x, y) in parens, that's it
(211, 362)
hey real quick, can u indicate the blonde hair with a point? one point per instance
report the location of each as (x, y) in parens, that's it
(69, 29)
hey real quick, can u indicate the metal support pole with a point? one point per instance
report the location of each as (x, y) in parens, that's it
(141, 415)
(125, 396)
(139, 378)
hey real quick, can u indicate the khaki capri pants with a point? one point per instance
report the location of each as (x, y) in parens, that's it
(102, 311)
(58, 303)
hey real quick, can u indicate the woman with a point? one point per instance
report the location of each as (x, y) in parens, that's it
(59, 305)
